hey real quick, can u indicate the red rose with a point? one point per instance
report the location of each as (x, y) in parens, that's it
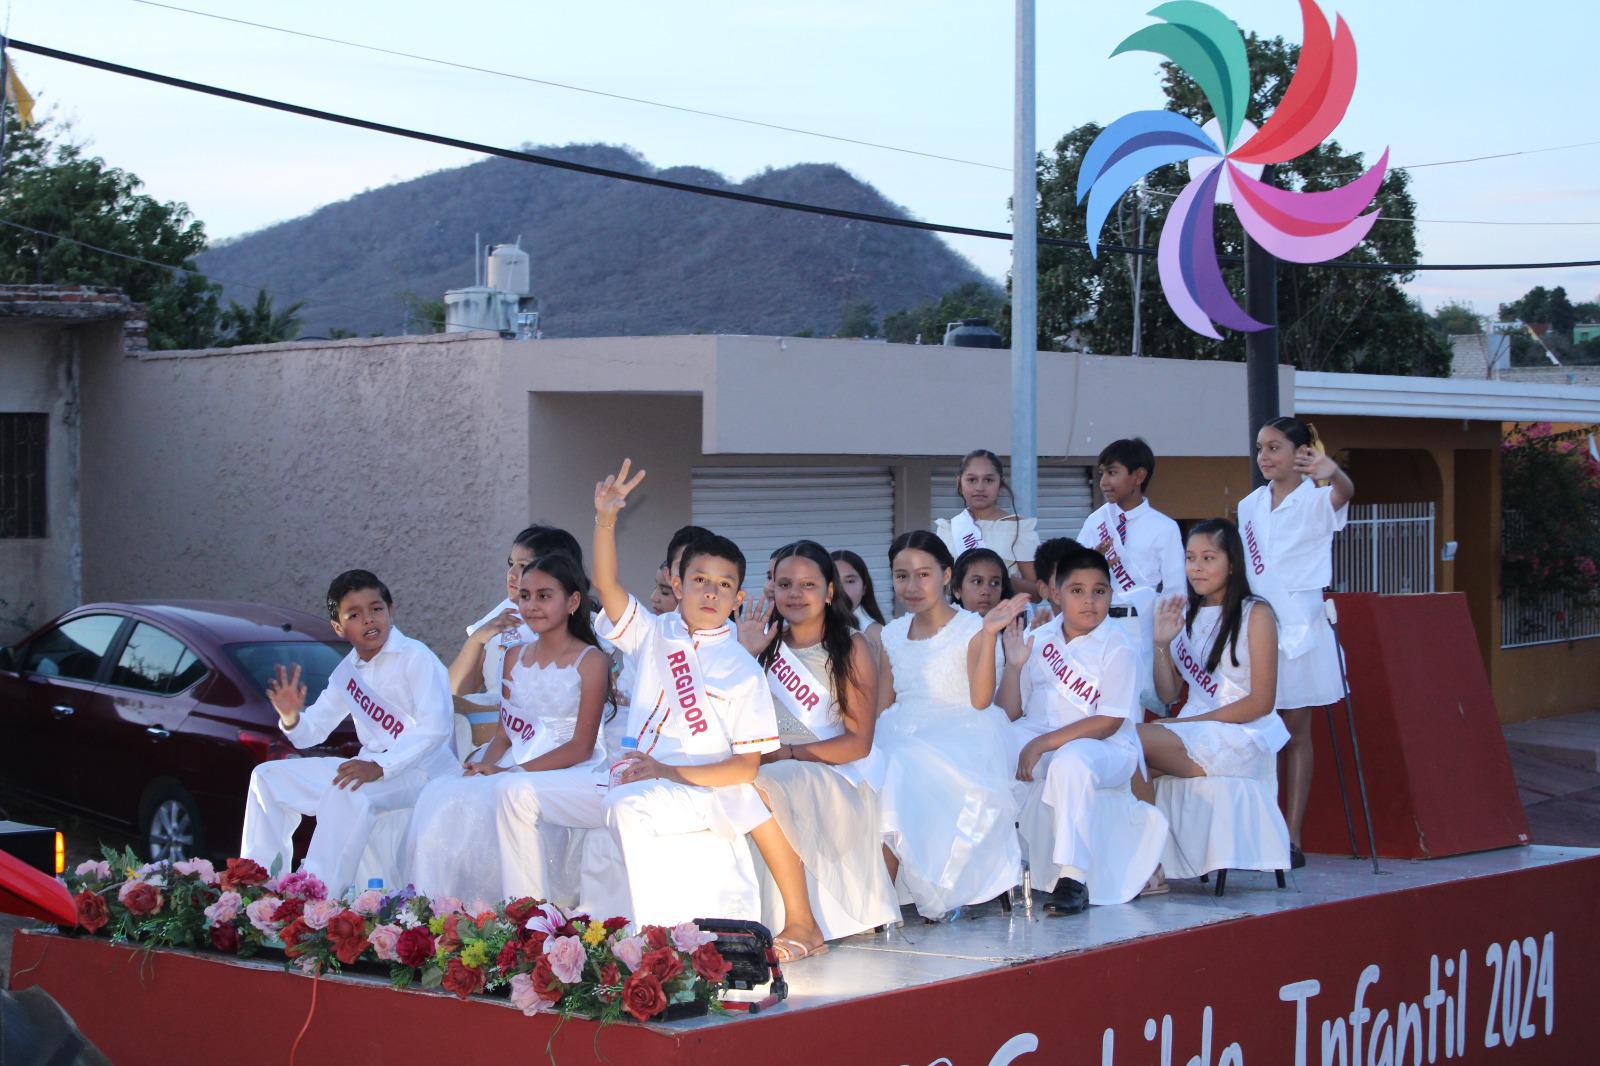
(610, 975)
(462, 980)
(709, 963)
(509, 956)
(292, 934)
(92, 911)
(518, 911)
(242, 872)
(142, 899)
(664, 963)
(347, 932)
(415, 947)
(450, 940)
(656, 937)
(225, 938)
(642, 996)
(613, 924)
(533, 943)
(544, 979)
(288, 911)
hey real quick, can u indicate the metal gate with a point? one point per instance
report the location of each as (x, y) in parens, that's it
(1385, 547)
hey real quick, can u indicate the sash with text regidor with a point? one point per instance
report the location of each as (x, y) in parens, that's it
(965, 532)
(379, 720)
(685, 711)
(802, 695)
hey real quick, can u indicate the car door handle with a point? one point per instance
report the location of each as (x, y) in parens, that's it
(157, 732)
(61, 710)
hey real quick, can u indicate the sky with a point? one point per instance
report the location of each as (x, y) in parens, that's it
(1437, 82)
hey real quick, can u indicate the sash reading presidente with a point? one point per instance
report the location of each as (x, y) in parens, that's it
(1119, 570)
(964, 528)
(378, 720)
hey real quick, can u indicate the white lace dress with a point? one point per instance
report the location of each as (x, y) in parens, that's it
(451, 848)
(947, 807)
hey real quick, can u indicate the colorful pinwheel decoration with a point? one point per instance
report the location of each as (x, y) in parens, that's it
(1300, 227)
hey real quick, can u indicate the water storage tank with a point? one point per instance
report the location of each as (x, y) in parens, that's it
(508, 269)
(971, 333)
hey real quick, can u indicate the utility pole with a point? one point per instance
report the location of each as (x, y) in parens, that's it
(1024, 278)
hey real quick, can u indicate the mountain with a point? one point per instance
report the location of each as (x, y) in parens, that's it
(608, 257)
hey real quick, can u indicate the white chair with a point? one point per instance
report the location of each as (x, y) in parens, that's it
(713, 877)
(1126, 837)
(1224, 823)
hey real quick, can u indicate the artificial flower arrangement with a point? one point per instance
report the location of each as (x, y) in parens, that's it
(544, 959)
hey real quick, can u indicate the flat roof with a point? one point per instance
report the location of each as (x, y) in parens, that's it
(1385, 396)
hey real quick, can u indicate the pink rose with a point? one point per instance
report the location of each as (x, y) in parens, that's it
(523, 995)
(200, 868)
(260, 914)
(303, 884)
(383, 939)
(687, 937)
(319, 911)
(94, 870)
(630, 951)
(225, 909)
(446, 905)
(566, 958)
(368, 902)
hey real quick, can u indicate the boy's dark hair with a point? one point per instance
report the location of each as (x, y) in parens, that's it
(716, 547)
(354, 581)
(1081, 559)
(1048, 556)
(685, 536)
(548, 540)
(1134, 454)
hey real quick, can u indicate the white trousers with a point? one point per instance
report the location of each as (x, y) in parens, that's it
(524, 802)
(284, 791)
(678, 869)
(1072, 774)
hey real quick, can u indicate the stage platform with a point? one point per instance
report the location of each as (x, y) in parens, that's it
(1478, 958)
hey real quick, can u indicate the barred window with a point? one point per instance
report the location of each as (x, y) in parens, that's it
(24, 440)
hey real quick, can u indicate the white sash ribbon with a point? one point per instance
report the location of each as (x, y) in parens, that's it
(1296, 611)
(1207, 691)
(379, 721)
(965, 532)
(802, 695)
(683, 709)
(1125, 573)
(1078, 690)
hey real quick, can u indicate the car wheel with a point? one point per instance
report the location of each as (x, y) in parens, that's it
(170, 825)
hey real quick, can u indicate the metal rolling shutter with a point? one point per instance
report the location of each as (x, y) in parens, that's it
(763, 508)
(1065, 498)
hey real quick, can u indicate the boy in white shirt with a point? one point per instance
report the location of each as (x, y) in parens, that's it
(397, 693)
(1142, 546)
(1073, 700)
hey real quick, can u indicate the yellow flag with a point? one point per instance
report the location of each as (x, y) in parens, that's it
(18, 94)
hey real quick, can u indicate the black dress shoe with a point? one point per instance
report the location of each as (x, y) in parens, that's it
(1297, 858)
(1069, 897)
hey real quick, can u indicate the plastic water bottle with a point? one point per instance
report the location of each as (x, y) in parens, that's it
(630, 745)
(375, 884)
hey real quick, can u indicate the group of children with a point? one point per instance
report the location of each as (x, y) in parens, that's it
(994, 725)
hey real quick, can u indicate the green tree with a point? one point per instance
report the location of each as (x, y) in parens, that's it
(51, 185)
(860, 319)
(973, 299)
(1546, 306)
(1455, 318)
(259, 323)
(1330, 319)
(423, 316)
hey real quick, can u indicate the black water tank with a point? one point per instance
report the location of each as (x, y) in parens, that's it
(971, 333)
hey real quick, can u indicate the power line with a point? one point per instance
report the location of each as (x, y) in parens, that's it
(702, 190)
(573, 88)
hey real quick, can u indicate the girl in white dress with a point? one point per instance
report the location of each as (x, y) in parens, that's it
(984, 524)
(821, 784)
(1223, 643)
(1287, 526)
(948, 815)
(555, 693)
(856, 582)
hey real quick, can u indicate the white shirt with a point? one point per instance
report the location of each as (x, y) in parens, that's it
(494, 652)
(409, 677)
(1290, 547)
(1014, 539)
(1151, 552)
(1102, 663)
(735, 686)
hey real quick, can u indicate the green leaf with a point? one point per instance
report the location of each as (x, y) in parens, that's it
(432, 977)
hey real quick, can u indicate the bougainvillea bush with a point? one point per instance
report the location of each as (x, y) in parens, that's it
(1551, 491)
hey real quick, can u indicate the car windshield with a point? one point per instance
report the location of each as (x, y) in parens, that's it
(315, 658)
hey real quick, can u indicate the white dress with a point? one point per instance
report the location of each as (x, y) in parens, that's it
(829, 813)
(1015, 539)
(451, 847)
(947, 807)
(1223, 749)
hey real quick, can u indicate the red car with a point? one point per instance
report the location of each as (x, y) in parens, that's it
(150, 716)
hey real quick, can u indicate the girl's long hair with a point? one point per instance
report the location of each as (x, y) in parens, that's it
(965, 561)
(570, 576)
(869, 598)
(838, 620)
(1226, 536)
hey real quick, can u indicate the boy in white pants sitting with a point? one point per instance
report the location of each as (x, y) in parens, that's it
(1072, 692)
(397, 693)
